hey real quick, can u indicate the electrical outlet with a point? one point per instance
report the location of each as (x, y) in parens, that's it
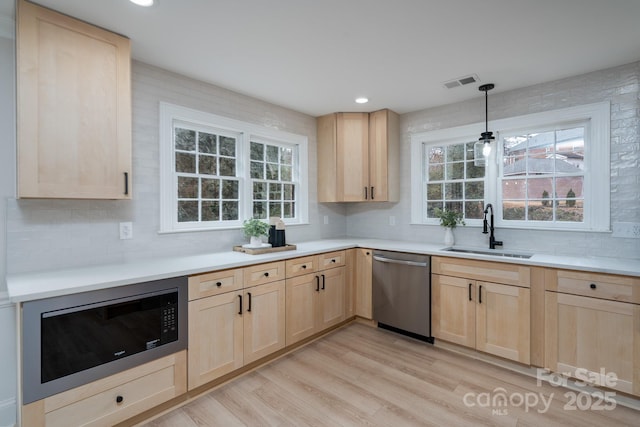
(626, 229)
(392, 221)
(126, 230)
(326, 219)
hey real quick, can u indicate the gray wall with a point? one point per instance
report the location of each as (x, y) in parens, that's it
(618, 85)
(54, 234)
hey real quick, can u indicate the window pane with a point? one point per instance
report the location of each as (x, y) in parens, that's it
(187, 211)
(514, 189)
(257, 170)
(513, 160)
(206, 143)
(289, 193)
(257, 151)
(431, 207)
(570, 148)
(453, 206)
(570, 187)
(229, 189)
(272, 172)
(260, 190)
(436, 155)
(286, 156)
(210, 211)
(229, 211)
(275, 209)
(453, 191)
(288, 210)
(185, 163)
(188, 188)
(185, 139)
(538, 211)
(434, 191)
(474, 171)
(513, 210)
(455, 152)
(260, 210)
(436, 172)
(210, 188)
(570, 211)
(207, 165)
(540, 188)
(275, 192)
(286, 173)
(541, 154)
(455, 170)
(474, 190)
(227, 167)
(469, 147)
(272, 154)
(227, 146)
(473, 210)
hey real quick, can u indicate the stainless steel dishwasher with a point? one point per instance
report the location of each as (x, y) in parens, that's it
(402, 293)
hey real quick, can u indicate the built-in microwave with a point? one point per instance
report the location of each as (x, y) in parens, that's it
(71, 340)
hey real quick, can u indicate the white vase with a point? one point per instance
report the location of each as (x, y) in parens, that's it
(448, 236)
(255, 241)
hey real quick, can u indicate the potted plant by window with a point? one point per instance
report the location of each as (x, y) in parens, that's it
(255, 229)
(449, 220)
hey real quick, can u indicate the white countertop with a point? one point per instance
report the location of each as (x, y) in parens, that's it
(32, 286)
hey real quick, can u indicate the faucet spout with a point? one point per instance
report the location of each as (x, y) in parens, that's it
(492, 240)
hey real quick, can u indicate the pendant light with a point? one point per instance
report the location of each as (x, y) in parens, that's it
(486, 137)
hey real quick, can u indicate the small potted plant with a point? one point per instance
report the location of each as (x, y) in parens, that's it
(255, 229)
(449, 220)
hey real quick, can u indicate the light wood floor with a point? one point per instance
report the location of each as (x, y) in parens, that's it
(359, 375)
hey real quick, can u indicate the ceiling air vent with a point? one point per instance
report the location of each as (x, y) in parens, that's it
(461, 81)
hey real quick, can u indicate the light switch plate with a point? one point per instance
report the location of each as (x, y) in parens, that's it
(126, 230)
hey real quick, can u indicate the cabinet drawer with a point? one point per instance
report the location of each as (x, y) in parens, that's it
(299, 266)
(264, 273)
(96, 404)
(605, 286)
(331, 260)
(495, 272)
(218, 282)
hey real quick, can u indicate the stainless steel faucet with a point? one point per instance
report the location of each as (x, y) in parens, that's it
(492, 240)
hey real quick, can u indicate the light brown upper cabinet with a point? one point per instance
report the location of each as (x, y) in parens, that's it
(73, 108)
(358, 157)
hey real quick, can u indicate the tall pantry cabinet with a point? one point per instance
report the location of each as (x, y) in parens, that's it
(73, 108)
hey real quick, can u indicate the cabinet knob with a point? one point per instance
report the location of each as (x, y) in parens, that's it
(218, 284)
(592, 286)
(333, 261)
(368, 253)
(304, 266)
(119, 399)
(266, 274)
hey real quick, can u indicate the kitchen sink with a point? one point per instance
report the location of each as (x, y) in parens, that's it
(490, 252)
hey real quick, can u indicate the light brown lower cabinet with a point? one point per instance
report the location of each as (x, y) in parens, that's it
(113, 399)
(490, 317)
(592, 328)
(314, 302)
(363, 283)
(232, 329)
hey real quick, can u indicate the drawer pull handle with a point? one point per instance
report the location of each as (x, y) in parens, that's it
(317, 283)
(470, 285)
(240, 311)
(218, 284)
(266, 274)
(119, 399)
(249, 295)
(480, 295)
(592, 286)
(323, 280)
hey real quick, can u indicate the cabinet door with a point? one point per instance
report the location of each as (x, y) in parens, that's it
(453, 309)
(353, 157)
(590, 338)
(74, 108)
(264, 320)
(503, 321)
(301, 307)
(364, 278)
(384, 131)
(331, 310)
(215, 337)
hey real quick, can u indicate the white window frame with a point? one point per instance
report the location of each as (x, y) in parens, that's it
(170, 114)
(597, 164)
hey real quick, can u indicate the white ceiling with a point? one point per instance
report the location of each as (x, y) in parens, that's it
(316, 56)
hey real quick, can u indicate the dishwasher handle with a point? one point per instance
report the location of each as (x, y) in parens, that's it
(399, 261)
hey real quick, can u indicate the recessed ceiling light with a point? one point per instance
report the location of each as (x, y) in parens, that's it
(362, 100)
(145, 3)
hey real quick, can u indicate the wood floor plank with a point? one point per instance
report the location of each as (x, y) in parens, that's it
(363, 376)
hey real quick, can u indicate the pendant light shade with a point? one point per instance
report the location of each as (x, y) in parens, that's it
(486, 137)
